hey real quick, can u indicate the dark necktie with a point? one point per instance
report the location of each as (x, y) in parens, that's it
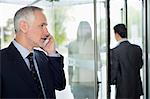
(35, 76)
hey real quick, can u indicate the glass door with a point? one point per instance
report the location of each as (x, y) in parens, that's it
(136, 33)
(117, 15)
(79, 28)
(101, 45)
(72, 23)
(130, 13)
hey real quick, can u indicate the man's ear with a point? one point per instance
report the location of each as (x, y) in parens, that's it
(117, 34)
(23, 26)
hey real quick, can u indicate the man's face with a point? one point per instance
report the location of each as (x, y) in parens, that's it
(38, 32)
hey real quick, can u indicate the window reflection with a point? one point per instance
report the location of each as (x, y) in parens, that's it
(81, 63)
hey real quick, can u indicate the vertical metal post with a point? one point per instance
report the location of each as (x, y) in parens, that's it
(147, 69)
(108, 46)
(95, 50)
(148, 45)
(126, 14)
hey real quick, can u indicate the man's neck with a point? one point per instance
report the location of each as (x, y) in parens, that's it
(22, 42)
(122, 40)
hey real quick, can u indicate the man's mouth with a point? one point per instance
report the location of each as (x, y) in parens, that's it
(44, 38)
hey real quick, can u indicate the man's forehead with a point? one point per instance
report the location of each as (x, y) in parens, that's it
(40, 16)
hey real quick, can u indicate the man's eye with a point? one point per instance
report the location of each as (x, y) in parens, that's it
(42, 25)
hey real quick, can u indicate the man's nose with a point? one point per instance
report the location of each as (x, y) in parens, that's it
(46, 31)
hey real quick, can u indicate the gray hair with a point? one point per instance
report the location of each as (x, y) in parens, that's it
(26, 14)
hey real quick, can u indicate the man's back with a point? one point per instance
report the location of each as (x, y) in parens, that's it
(126, 64)
(129, 53)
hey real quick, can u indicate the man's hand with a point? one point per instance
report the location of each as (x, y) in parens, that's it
(49, 47)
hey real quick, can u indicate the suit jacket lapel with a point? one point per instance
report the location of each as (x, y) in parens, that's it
(42, 62)
(20, 66)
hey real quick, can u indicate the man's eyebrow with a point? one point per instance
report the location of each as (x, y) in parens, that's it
(44, 24)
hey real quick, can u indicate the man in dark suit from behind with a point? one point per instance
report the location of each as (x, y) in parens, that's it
(17, 78)
(126, 62)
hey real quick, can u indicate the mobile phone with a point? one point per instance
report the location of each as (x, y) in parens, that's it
(46, 41)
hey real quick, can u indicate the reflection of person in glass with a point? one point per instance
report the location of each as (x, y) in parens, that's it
(81, 63)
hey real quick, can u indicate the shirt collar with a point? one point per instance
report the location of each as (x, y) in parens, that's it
(122, 40)
(23, 51)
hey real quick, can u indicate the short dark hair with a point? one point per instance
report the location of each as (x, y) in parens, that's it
(121, 30)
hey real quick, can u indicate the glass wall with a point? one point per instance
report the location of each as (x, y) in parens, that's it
(83, 46)
(76, 25)
(133, 14)
(6, 23)
(135, 30)
(101, 45)
(135, 33)
(117, 15)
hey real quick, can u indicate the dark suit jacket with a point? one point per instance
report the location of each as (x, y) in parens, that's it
(16, 81)
(126, 62)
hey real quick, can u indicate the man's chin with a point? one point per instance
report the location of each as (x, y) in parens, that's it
(41, 45)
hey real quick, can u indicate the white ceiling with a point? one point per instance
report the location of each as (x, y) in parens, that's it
(47, 3)
(44, 2)
(17, 1)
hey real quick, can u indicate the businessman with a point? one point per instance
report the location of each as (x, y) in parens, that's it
(26, 72)
(126, 62)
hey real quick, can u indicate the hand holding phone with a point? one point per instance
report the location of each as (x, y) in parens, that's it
(49, 44)
(46, 41)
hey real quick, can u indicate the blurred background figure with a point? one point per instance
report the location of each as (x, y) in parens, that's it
(81, 63)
